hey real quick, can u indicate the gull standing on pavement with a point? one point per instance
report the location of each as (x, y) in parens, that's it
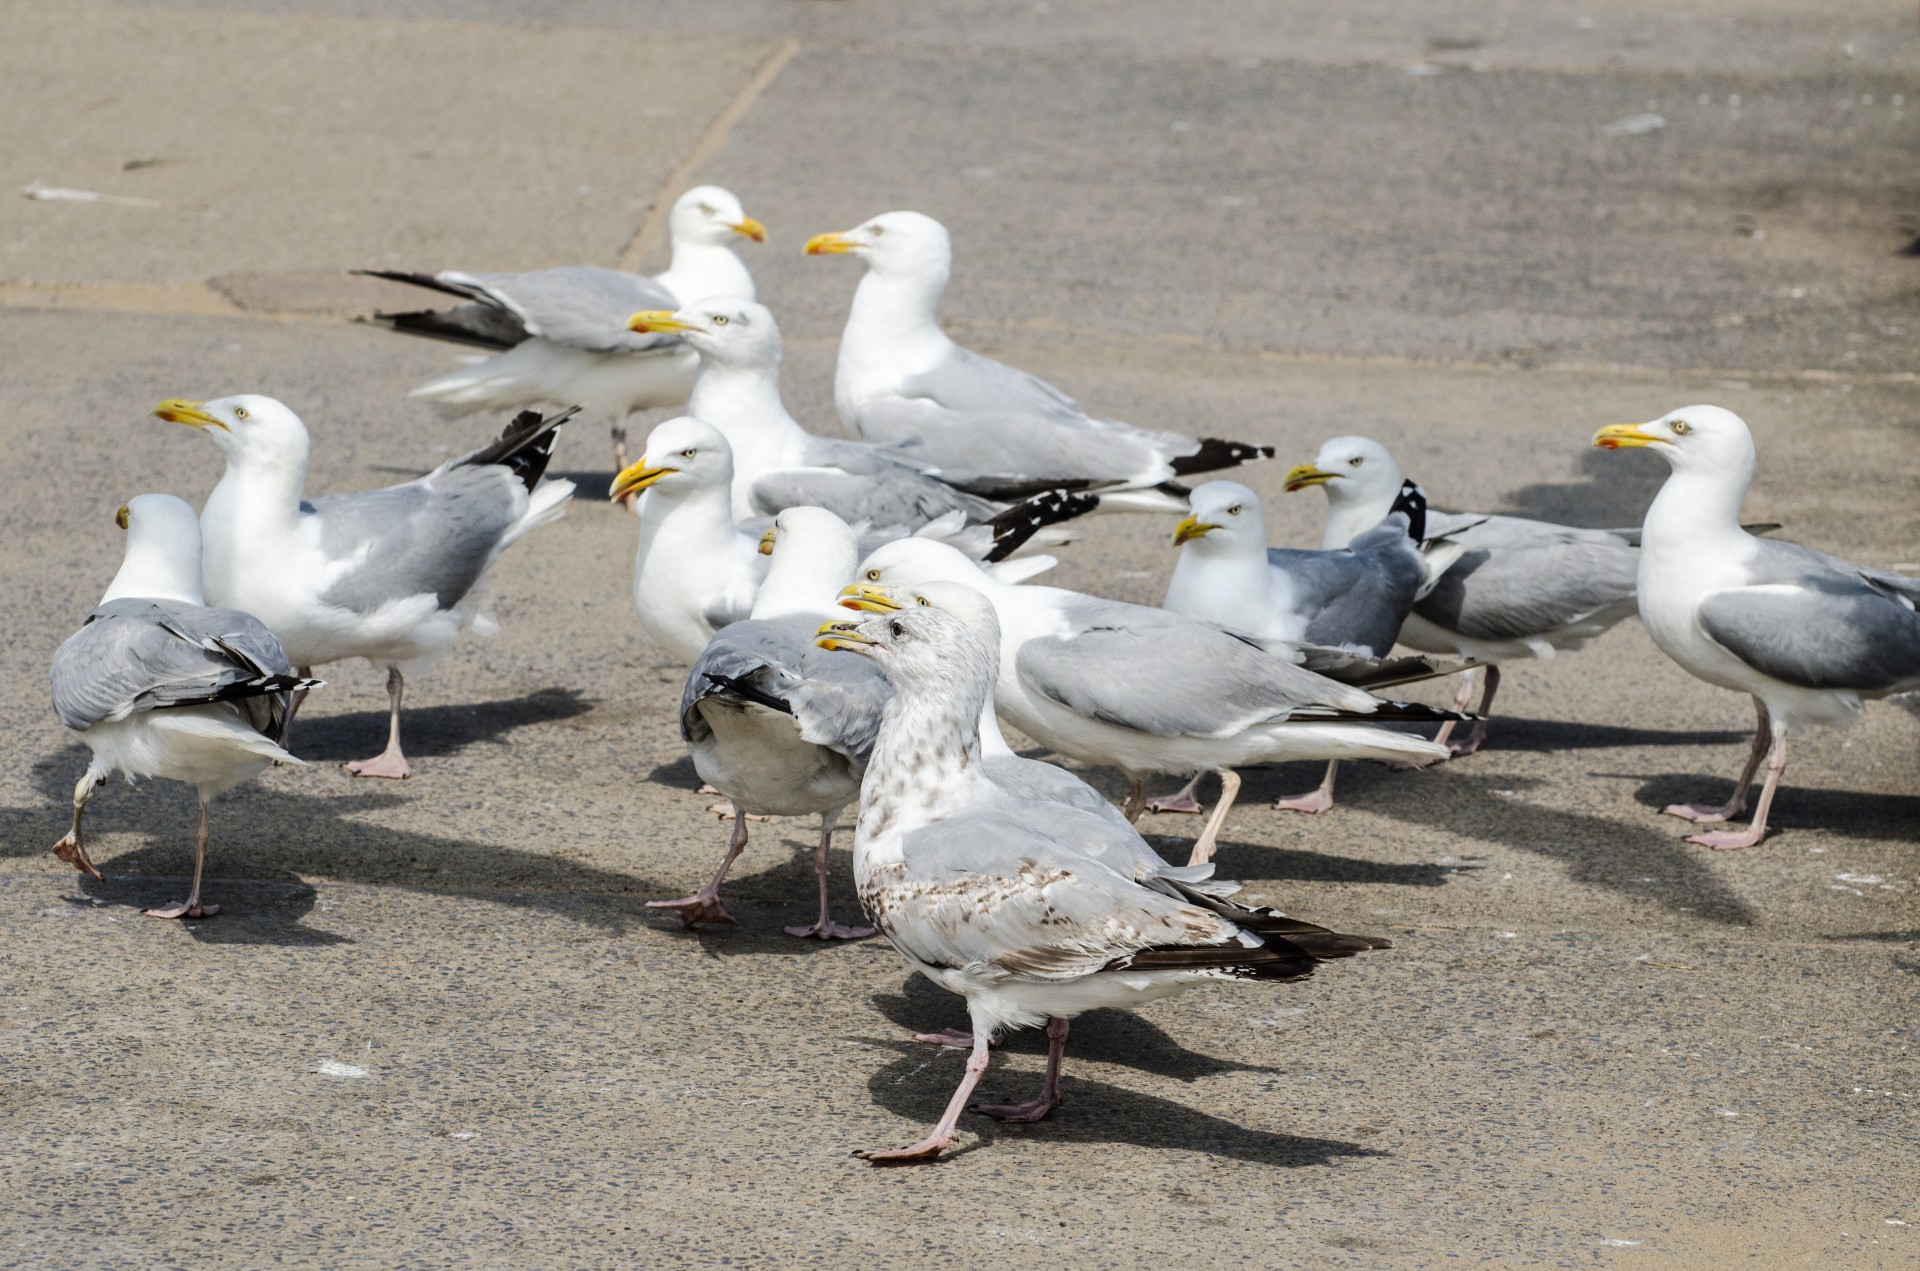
(159, 685)
(1807, 635)
(775, 724)
(562, 333)
(389, 575)
(1505, 587)
(987, 427)
(1026, 926)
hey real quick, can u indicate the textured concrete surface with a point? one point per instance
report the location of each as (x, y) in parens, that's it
(1592, 1045)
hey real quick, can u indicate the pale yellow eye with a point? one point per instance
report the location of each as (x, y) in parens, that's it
(721, 319)
(239, 412)
(873, 575)
(1680, 427)
(1234, 510)
(1355, 462)
(924, 604)
(876, 230)
(688, 453)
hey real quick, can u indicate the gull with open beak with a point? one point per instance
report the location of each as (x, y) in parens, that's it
(772, 722)
(159, 685)
(778, 464)
(389, 575)
(561, 335)
(1498, 588)
(1808, 636)
(987, 427)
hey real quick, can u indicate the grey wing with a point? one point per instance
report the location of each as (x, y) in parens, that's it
(1819, 621)
(891, 494)
(140, 655)
(581, 306)
(836, 701)
(436, 535)
(1519, 578)
(989, 893)
(1167, 676)
(1358, 597)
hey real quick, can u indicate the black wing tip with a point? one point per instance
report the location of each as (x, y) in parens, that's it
(525, 445)
(1217, 452)
(749, 692)
(1013, 527)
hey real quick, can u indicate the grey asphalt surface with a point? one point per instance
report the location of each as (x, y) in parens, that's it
(1592, 1043)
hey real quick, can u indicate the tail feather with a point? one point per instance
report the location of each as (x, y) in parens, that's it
(749, 691)
(1013, 527)
(1215, 453)
(525, 445)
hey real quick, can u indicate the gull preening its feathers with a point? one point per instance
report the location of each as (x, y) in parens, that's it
(1499, 588)
(159, 685)
(389, 575)
(1807, 635)
(561, 335)
(987, 427)
(1016, 918)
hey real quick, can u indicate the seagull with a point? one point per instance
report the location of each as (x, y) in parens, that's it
(774, 724)
(388, 575)
(1029, 928)
(1145, 690)
(987, 427)
(699, 567)
(1353, 597)
(778, 464)
(159, 685)
(1807, 635)
(1504, 588)
(562, 333)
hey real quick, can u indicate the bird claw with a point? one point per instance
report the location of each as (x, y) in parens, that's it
(923, 1151)
(1701, 814)
(183, 909)
(827, 929)
(1176, 803)
(694, 909)
(1024, 1112)
(1728, 840)
(1318, 801)
(74, 852)
(390, 765)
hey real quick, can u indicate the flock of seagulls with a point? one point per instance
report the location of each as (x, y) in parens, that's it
(858, 615)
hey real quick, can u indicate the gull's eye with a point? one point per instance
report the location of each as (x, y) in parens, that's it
(873, 575)
(706, 209)
(923, 603)
(239, 412)
(876, 230)
(897, 629)
(1234, 510)
(1355, 462)
(689, 453)
(1680, 427)
(721, 319)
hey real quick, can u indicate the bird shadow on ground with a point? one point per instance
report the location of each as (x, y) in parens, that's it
(597, 485)
(1114, 1037)
(1611, 495)
(1849, 812)
(680, 774)
(271, 832)
(1877, 937)
(776, 896)
(431, 730)
(917, 1085)
(251, 912)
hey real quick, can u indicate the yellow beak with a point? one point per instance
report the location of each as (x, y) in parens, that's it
(1191, 529)
(868, 599)
(750, 228)
(840, 636)
(636, 476)
(767, 540)
(120, 517)
(656, 320)
(1626, 437)
(178, 410)
(1307, 474)
(829, 244)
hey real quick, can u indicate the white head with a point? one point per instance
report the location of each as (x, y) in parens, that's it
(683, 456)
(721, 329)
(251, 430)
(913, 562)
(1693, 439)
(893, 245)
(710, 216)
(958, 599)
(929, 656)
(1351, 470)
(814, 554)
(1226, 519)
(163, 551)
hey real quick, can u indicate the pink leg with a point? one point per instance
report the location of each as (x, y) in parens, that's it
(704, 905)
(1708, 813)
(1319, 801)
(1728, 840)
(1478, 737)
(191, 906)
(390, 762)
(1185, 801)
(1460, 700)
(1034, 1109)
(1229, 791)
(825, 928)
(1136, 799)
(73, 848)
(928, 1148)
